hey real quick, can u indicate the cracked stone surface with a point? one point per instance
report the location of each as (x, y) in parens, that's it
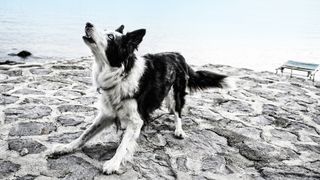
(266, 127)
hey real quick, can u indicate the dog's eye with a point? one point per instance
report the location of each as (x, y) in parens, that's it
(110, 36)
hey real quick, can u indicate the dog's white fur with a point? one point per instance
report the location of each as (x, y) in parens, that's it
(110, 103)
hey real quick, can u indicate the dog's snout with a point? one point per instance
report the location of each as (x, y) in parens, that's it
(89, 25)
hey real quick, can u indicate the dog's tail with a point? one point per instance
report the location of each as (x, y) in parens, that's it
(199, 80)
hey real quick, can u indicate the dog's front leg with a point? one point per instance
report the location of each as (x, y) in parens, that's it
(101, 121)
(128, 143)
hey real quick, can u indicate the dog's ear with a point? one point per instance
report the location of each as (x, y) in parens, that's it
(120, 29)
(134, 38)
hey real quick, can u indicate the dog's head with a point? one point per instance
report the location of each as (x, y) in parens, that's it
(113, 47)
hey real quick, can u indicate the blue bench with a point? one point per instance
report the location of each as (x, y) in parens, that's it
(310, 68)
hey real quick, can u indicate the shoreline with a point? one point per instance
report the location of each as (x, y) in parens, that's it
(266, 127)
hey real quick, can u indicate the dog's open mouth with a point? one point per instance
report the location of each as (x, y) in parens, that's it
(88, 38)
(88, 31)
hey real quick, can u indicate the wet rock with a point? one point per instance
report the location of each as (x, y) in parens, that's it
(5, 88)
(7, 99)
(26, 112)
(24, 54)
(75, 108)
(65, 137)
(70, 120)
(21, 145)
(101, 152)
(72, 167)
(7, 168)
(28, 92)
(9, 62)
(40, 71)
(32, 128)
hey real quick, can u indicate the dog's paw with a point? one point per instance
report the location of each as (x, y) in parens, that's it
(111, 167)
(59, 150)
(179, 133)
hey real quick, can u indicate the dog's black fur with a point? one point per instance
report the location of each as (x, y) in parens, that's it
(166, 70)
(163, 71)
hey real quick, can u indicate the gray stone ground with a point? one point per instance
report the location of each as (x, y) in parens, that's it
(268, 127)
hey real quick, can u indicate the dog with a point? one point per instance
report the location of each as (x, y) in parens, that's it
(130, 88)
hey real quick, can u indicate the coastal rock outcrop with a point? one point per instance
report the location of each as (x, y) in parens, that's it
(266, 127)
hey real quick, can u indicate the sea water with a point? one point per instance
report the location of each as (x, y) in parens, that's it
(253, 34)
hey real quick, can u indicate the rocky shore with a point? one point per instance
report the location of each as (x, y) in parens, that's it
(266, 127)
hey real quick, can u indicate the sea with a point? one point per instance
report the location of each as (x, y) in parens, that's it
(259, 35)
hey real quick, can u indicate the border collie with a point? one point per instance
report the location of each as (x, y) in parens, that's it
(130, 88)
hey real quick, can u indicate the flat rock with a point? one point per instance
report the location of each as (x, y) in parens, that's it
(13, 80)
(28, 92)
(26, 112)
(15, 72)
(32, 146)
(70, 120)
(40, 71)
(69, 93)
(233, 106)
(5, 88)
(72, 167)
(26, 177)
(65, 137)
(47, 85)
(288, 173)
(75, 73)
(101, 152)
(214, 164)
(7, 168)
(42, 100)
(75, 108)
(86, 100)
(32, 128)
(7, 99)
(64, 67)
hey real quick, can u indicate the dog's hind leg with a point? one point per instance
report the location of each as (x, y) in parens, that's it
(101, 121)
(127, 146)
(179, 101)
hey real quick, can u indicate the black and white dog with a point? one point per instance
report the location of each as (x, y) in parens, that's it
(131, 88)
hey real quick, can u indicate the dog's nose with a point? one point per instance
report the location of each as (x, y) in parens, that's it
(89, 25)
